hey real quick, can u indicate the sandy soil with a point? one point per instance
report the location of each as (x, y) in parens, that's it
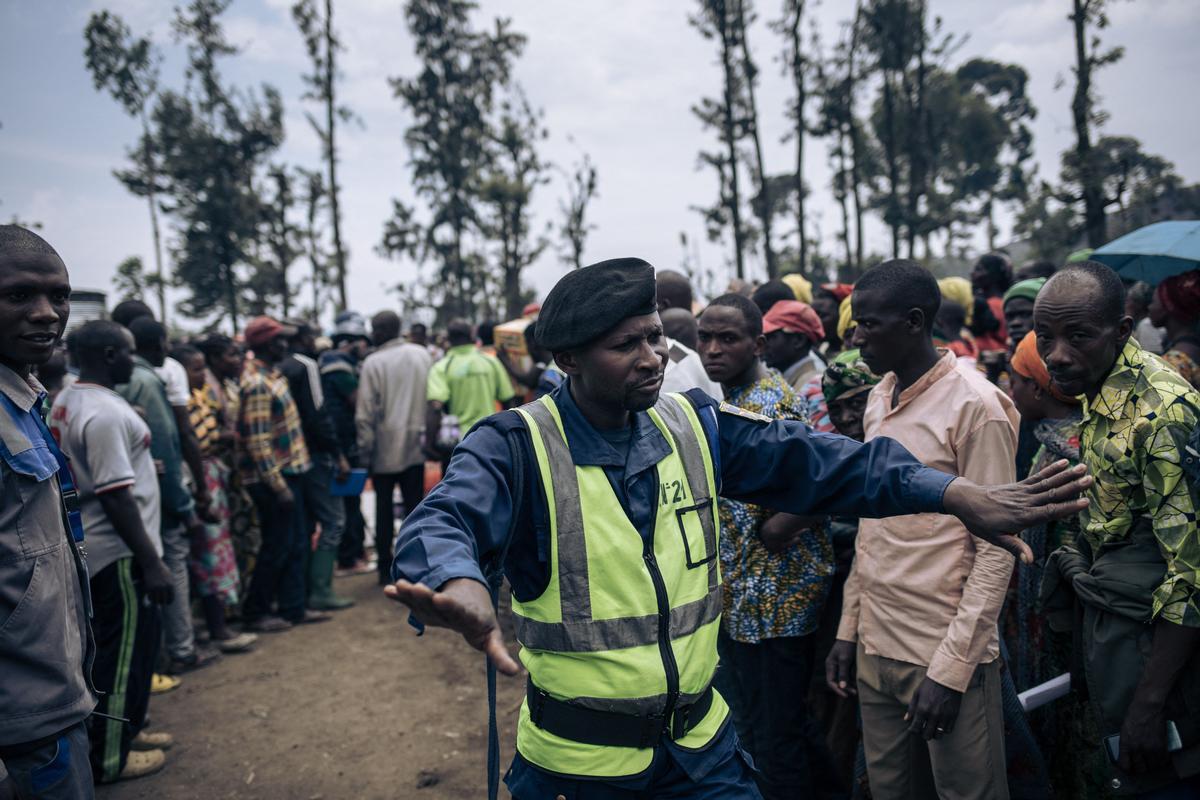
(357, 707)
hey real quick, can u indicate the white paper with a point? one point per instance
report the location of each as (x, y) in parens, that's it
(1046, 692)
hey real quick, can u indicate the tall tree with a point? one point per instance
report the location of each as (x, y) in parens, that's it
(854, 133)
(128, 68)
(717, 21)
(450, 101)
(574, 230)
(1088, 17)
(889, 26)
(313, 194)
(743, 18)
(280, 244)
(323, 45)
(131, 280)
(213, 142)
(1004, 170)
(797, 65)
(514, 172)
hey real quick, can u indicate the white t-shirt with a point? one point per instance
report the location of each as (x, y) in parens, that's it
(1149, 337)
(175, 377)
(685, 371)
(108, 445)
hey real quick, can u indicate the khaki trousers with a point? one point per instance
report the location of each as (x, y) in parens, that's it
(966, 764)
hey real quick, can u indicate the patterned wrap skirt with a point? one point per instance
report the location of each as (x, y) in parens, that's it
(213, 562)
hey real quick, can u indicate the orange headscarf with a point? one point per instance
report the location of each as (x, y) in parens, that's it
(1028, 364)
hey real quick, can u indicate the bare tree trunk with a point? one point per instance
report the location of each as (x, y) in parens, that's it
(152, 199)
(918, 160)
(735, 200)
(331, 155)
(842, 198)
(855, 143)
(889, 152)
(1093, 192)
(764, 191)
(801, 98)
(231, 295)
(990, 218)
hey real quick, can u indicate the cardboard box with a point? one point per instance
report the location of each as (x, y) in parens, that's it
(511, 337)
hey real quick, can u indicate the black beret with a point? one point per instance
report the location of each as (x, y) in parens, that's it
(593, 300)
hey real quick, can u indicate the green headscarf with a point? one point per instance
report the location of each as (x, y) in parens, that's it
(846, 376)
(1027, 289)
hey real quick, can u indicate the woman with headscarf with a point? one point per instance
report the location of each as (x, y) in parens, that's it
(1176, 307)
(827, 301)
(1055, 742)
(813, 392)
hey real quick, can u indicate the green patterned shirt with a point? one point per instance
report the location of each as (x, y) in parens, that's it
(1132, 436)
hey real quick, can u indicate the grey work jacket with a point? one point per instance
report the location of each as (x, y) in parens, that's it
(46, 645)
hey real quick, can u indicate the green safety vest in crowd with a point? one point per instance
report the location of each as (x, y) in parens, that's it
(620, 627)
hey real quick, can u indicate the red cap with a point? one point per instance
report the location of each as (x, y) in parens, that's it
(531, 310)
(263, 329)
(839, 290)
(792, 316)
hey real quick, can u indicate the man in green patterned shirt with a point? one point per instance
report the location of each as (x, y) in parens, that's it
(1135, 571)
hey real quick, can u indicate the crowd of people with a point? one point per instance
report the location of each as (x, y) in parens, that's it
(213, 478)
(210, 478)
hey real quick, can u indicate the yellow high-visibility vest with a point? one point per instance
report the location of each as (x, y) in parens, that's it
(621, 627)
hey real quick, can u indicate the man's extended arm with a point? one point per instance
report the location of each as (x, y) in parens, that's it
(783, 465)
(463, 521)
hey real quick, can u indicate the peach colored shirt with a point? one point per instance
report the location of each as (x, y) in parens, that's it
(922, 589)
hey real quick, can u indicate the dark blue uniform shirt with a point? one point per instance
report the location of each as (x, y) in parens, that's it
(782, 465)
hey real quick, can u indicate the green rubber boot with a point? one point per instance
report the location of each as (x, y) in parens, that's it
(320, 583)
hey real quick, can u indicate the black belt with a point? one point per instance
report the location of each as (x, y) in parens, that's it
(611, 728)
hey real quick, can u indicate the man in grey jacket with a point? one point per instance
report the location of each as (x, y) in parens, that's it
(390, 418)
(46, 645)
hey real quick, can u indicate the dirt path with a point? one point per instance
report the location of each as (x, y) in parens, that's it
(358, 707)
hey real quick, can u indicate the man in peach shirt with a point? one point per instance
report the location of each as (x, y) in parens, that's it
(919, 617)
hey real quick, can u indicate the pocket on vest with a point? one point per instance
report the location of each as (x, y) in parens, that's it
(699, 548)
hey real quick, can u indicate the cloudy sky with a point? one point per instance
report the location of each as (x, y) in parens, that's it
(616, 79)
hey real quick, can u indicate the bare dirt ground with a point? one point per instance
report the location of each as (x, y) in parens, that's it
(357, 707)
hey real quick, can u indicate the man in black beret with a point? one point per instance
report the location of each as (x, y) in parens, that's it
(598, 503)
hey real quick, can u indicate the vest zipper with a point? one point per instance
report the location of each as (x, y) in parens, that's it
(664, 634)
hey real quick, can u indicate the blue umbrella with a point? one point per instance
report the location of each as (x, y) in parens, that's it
(1155, 252)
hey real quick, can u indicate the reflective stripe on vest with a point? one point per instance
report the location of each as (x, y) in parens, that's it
(593, 637)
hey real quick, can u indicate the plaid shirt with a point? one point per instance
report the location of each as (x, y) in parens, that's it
(272, 440)
(1133, 434)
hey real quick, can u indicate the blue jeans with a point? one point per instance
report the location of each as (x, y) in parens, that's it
(279, 572)
(320, 506)
(177, 615)
(57, 769)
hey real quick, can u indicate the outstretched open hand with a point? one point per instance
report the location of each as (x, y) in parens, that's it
(996, 513)
(463, 605)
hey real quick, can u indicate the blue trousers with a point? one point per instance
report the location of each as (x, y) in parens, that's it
(729, 777)
(58, 770)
